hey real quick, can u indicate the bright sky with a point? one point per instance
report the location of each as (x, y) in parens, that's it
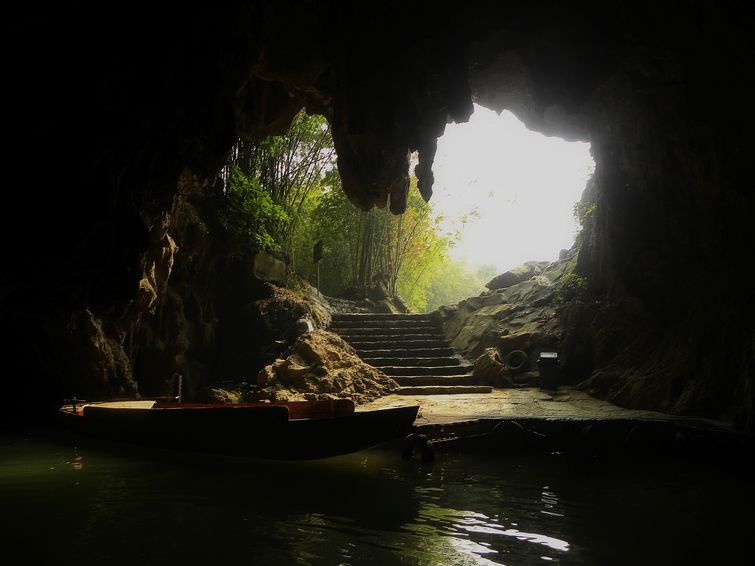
(523, 185)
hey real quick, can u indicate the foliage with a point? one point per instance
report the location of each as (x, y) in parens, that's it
(283, 194)
(583, 211)
(571, 286)
(249, 210)
(455, 282)
(365, 249)
(278, 174)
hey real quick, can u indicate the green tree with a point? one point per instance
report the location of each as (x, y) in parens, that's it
(454, 282)
(283, 194)
(287, 170)
(364, 249)
(249, 212)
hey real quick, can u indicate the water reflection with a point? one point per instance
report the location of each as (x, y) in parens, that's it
(457, 525)
(550, 503)
(450, 523)
(91, 506)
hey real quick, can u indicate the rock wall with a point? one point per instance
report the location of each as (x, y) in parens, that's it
(674, 328)
(222, 312)
(523, 316)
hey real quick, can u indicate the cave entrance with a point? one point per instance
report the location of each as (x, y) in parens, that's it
(503, 195)
(508, 193)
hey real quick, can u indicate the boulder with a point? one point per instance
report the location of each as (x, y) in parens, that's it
(268, 268)
(283, 309)
(535, 289)
(489, 369)
(523, 316)
(320, 365)
(516, 275)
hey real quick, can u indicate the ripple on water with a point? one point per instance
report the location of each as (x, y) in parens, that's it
(368, 508)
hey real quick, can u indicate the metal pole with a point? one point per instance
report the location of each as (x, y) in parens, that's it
(179, 393)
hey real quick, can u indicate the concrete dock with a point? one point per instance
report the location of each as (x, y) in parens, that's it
(531, 402)
(564, 418)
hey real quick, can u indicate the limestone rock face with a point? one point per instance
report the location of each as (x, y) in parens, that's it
(320, 365)
(528, 309)
(104, 367)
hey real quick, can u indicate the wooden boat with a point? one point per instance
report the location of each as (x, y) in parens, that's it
(290, 431)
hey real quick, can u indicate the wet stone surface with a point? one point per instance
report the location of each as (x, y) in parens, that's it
(563, 403)
(569, 421)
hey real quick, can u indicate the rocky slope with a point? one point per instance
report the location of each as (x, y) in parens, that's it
(520, 312)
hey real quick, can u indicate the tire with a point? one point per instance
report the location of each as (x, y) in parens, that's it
(516, 361)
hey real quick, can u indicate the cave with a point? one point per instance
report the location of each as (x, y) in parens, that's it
(119, 119)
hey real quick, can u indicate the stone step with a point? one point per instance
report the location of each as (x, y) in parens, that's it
(426, 362)
(414, 370)
(397, 344)
(368, 323)
(410, 348)
(380, 316)
(444, 389)
(407, 352)
(422, 380)
(391, 337)
(401, 331)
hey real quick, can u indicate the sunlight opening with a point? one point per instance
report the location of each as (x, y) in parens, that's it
(507, 193)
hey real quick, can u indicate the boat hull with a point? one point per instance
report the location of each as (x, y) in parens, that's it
(256, 432)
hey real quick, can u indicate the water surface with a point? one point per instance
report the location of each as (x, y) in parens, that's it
(63, 503)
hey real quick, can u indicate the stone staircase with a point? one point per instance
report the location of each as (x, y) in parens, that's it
(411, 349)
